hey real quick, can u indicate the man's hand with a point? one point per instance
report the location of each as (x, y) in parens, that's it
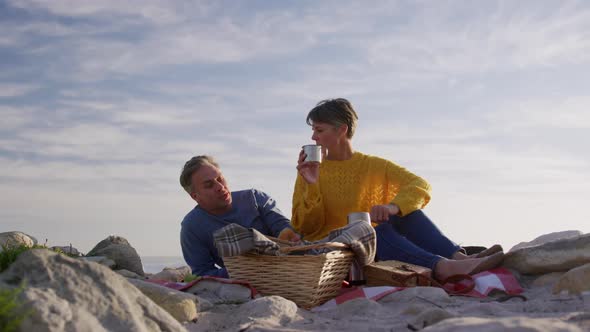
(288, 234)
(381, 213)
(309, 170)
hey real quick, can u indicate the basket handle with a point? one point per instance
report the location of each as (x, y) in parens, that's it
(333, 245)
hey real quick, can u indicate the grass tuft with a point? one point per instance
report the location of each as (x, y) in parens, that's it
(10, 253)
(190, 277)
(12, 311)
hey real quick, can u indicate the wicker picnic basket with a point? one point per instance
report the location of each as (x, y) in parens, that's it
(307, 280)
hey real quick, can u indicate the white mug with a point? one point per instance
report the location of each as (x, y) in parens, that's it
(359, 216)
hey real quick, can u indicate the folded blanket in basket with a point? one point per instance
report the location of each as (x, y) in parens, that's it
(234, 239)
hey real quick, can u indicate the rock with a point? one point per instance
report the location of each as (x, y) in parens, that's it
(217, 292)
(102, 260)
(554, 256)
(428, 317)
(431, 294)
(469, 324)
(129, 274)
(361, 308)
(546, 238)
(182, 306)
(119, 250)
(548, 279)
(69, 250)
(172, 274)
(68, 294)
(575, 281)
(13, 239)
(263, 314)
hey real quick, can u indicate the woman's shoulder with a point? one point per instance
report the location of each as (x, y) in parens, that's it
(370, 159)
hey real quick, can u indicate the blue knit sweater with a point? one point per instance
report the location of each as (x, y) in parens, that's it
(250, 208)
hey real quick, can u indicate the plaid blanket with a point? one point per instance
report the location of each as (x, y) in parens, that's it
(234, 239)
(499, 279)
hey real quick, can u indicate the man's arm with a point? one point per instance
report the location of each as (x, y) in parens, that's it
(273, 218)
(198, 256)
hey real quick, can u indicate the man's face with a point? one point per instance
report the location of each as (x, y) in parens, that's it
(210, 190)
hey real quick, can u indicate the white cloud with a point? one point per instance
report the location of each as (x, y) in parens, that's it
(9, 90)
(154, 10)
(143, 86)
(571, 112)
(15, 117)
(504, 39)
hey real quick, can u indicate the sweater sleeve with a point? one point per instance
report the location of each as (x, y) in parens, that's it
(308, 209)
(413, 191)
(274, 219)
(197, 254)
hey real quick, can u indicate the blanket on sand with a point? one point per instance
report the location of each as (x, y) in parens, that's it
(499, 279)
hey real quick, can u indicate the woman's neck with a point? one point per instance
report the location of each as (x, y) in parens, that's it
(341, 152)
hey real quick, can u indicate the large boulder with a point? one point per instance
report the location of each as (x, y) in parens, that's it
(574, 281)
(269, 313)
(550, 237)
(182, 306)
(554, 256)
(102, 260)
(119, 250)
(67, 294)
(13, 239)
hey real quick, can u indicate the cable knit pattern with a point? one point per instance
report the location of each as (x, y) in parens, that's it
(353, 185)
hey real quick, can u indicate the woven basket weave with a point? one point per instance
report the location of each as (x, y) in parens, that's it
(307, 280)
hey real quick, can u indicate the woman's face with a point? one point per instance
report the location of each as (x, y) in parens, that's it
(326, 134)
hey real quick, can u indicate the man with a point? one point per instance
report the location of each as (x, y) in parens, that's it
(217, 207)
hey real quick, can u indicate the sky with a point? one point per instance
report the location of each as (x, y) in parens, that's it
(102, 102)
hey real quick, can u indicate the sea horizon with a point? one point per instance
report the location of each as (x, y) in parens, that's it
(155, 264)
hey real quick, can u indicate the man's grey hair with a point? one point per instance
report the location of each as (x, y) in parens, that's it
(191, 166)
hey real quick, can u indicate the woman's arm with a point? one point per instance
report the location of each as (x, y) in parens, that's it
(308, 208)
(413, 192)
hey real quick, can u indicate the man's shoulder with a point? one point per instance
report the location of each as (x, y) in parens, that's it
(248, 194)
(192, 215)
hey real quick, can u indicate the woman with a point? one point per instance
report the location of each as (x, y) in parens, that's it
(349, 181)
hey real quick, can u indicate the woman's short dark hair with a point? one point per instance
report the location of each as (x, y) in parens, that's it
(336, 112)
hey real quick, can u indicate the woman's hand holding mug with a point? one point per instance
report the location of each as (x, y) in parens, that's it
(309, 170)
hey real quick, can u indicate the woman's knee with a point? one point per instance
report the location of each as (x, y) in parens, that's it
(385, 228)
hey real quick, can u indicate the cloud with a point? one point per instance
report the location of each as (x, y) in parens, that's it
(486, 101)
(152, 10)
(14, 118)
(567, 113)
(435, 40)
(10, 90)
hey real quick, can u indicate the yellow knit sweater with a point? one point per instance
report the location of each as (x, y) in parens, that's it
(353, 185)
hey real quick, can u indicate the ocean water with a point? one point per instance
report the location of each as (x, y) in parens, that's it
(155, 264)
